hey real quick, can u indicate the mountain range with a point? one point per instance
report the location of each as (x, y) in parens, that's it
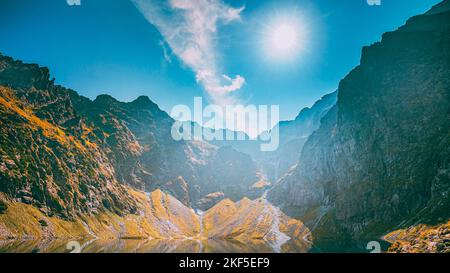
(367, 162)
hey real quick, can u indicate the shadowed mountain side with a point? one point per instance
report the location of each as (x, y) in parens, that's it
(380, 159)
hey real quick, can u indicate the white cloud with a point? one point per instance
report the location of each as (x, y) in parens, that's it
(234, 84)
(189, 27)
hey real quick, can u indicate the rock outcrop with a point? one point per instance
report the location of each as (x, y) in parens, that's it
(420, 239)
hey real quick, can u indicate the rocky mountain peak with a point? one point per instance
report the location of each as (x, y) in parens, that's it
(144, 102)
(105, 101)
(17, 75)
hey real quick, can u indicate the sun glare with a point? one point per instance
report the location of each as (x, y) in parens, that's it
(285, 38)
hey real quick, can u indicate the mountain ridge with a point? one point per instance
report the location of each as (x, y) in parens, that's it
(135, 136)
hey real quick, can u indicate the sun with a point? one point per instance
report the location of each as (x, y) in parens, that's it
(285, 37)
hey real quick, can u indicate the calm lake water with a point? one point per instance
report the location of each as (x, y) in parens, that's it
(150, 246)
(175, 246)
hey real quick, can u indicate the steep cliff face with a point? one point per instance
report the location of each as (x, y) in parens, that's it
(380, 158)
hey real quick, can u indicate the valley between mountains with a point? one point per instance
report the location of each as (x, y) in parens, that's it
(92, 170)
(368, 162)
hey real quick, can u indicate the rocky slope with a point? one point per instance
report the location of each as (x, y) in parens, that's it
(82, 151)
(380, 159)
(54, 171)
(420, 238)
(159, 215)
(248, 220)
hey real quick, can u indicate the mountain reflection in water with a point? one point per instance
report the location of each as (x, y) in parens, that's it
(152, 246)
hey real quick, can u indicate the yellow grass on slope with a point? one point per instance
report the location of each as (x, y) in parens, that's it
(159, 217)
(11, 104)
(250, 220)
(421, 239)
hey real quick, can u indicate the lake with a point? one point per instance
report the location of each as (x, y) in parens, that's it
(150, 246)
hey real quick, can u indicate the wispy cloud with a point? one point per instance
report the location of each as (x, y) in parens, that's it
(189, 27)
(166, 54)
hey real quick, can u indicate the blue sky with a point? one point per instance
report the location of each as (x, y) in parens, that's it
(125, 50)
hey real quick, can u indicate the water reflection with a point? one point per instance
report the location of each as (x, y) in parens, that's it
(151, 246)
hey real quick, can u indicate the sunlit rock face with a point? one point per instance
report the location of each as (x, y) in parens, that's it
(381, 156)
(43, 165)
(158, 216)
(252, 220)
(420, 238)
